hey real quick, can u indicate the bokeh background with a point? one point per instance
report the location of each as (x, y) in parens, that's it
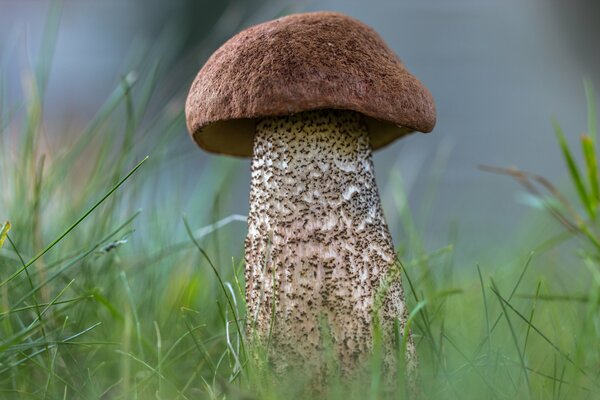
(498, 69)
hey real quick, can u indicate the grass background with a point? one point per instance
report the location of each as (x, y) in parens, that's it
(107, 291)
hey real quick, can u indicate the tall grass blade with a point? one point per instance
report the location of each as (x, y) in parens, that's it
(473, 367)
(75, 259)
(537, 293)
(4, 232)
(133, 307)
(218, 275)
(591, 163)
(515, 340)
(73, 226)
(543, 336)
(512, 293)
(573, 170)
(155, 371)
(33, 296)
(485, 310)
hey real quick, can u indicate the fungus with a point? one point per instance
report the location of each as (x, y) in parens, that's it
(308, 97)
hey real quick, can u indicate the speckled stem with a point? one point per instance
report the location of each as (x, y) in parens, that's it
(319, 256)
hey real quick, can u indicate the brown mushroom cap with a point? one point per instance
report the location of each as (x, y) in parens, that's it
(298, 63)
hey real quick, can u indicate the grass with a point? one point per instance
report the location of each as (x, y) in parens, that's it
(109, 291)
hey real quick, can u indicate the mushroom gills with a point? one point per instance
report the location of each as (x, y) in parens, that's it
(318, 249)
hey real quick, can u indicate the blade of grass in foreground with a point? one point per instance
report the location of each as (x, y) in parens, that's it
(512, 293)
(73, 226)
(573, 169)
(537, 293)
(428, 333)
(4, 233)
(485, 310)
(73, 261)
(133, 307)
(154, 371)
(543, 336)
(56, 303)
(34, 297)
(11, 342)
(591, 163)
(515, 339)
(473, 367)
(221, 283)
(66, 340)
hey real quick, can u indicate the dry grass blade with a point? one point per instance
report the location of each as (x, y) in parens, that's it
(528, 180)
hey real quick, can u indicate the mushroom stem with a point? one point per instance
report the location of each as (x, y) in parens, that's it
(318, 250)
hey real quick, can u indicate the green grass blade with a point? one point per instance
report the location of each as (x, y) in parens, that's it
(424, 315)
(554, 377)
(10, 343)
(217, 274)
(76, 258)
(515, 340)
(512, 293)
(485, 310)
(34, 306)
(591, 163)
(4, 233)
(52, 303)
(580, 298)
(155, 371)
(133, 307)
(573, 169)
(200, 347)
(33, 296)
(546, 339)
(159, 357)
(74, 225)
(537, 293)
(473, 366)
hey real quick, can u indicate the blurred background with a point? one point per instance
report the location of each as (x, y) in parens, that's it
(498, 69)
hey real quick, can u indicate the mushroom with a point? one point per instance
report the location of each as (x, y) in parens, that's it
(308, 97)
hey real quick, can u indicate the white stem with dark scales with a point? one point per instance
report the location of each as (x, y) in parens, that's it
(318, 251)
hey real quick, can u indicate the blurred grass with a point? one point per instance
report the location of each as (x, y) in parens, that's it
(107, 291)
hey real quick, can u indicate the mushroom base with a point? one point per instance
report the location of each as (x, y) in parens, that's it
(320, 262)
